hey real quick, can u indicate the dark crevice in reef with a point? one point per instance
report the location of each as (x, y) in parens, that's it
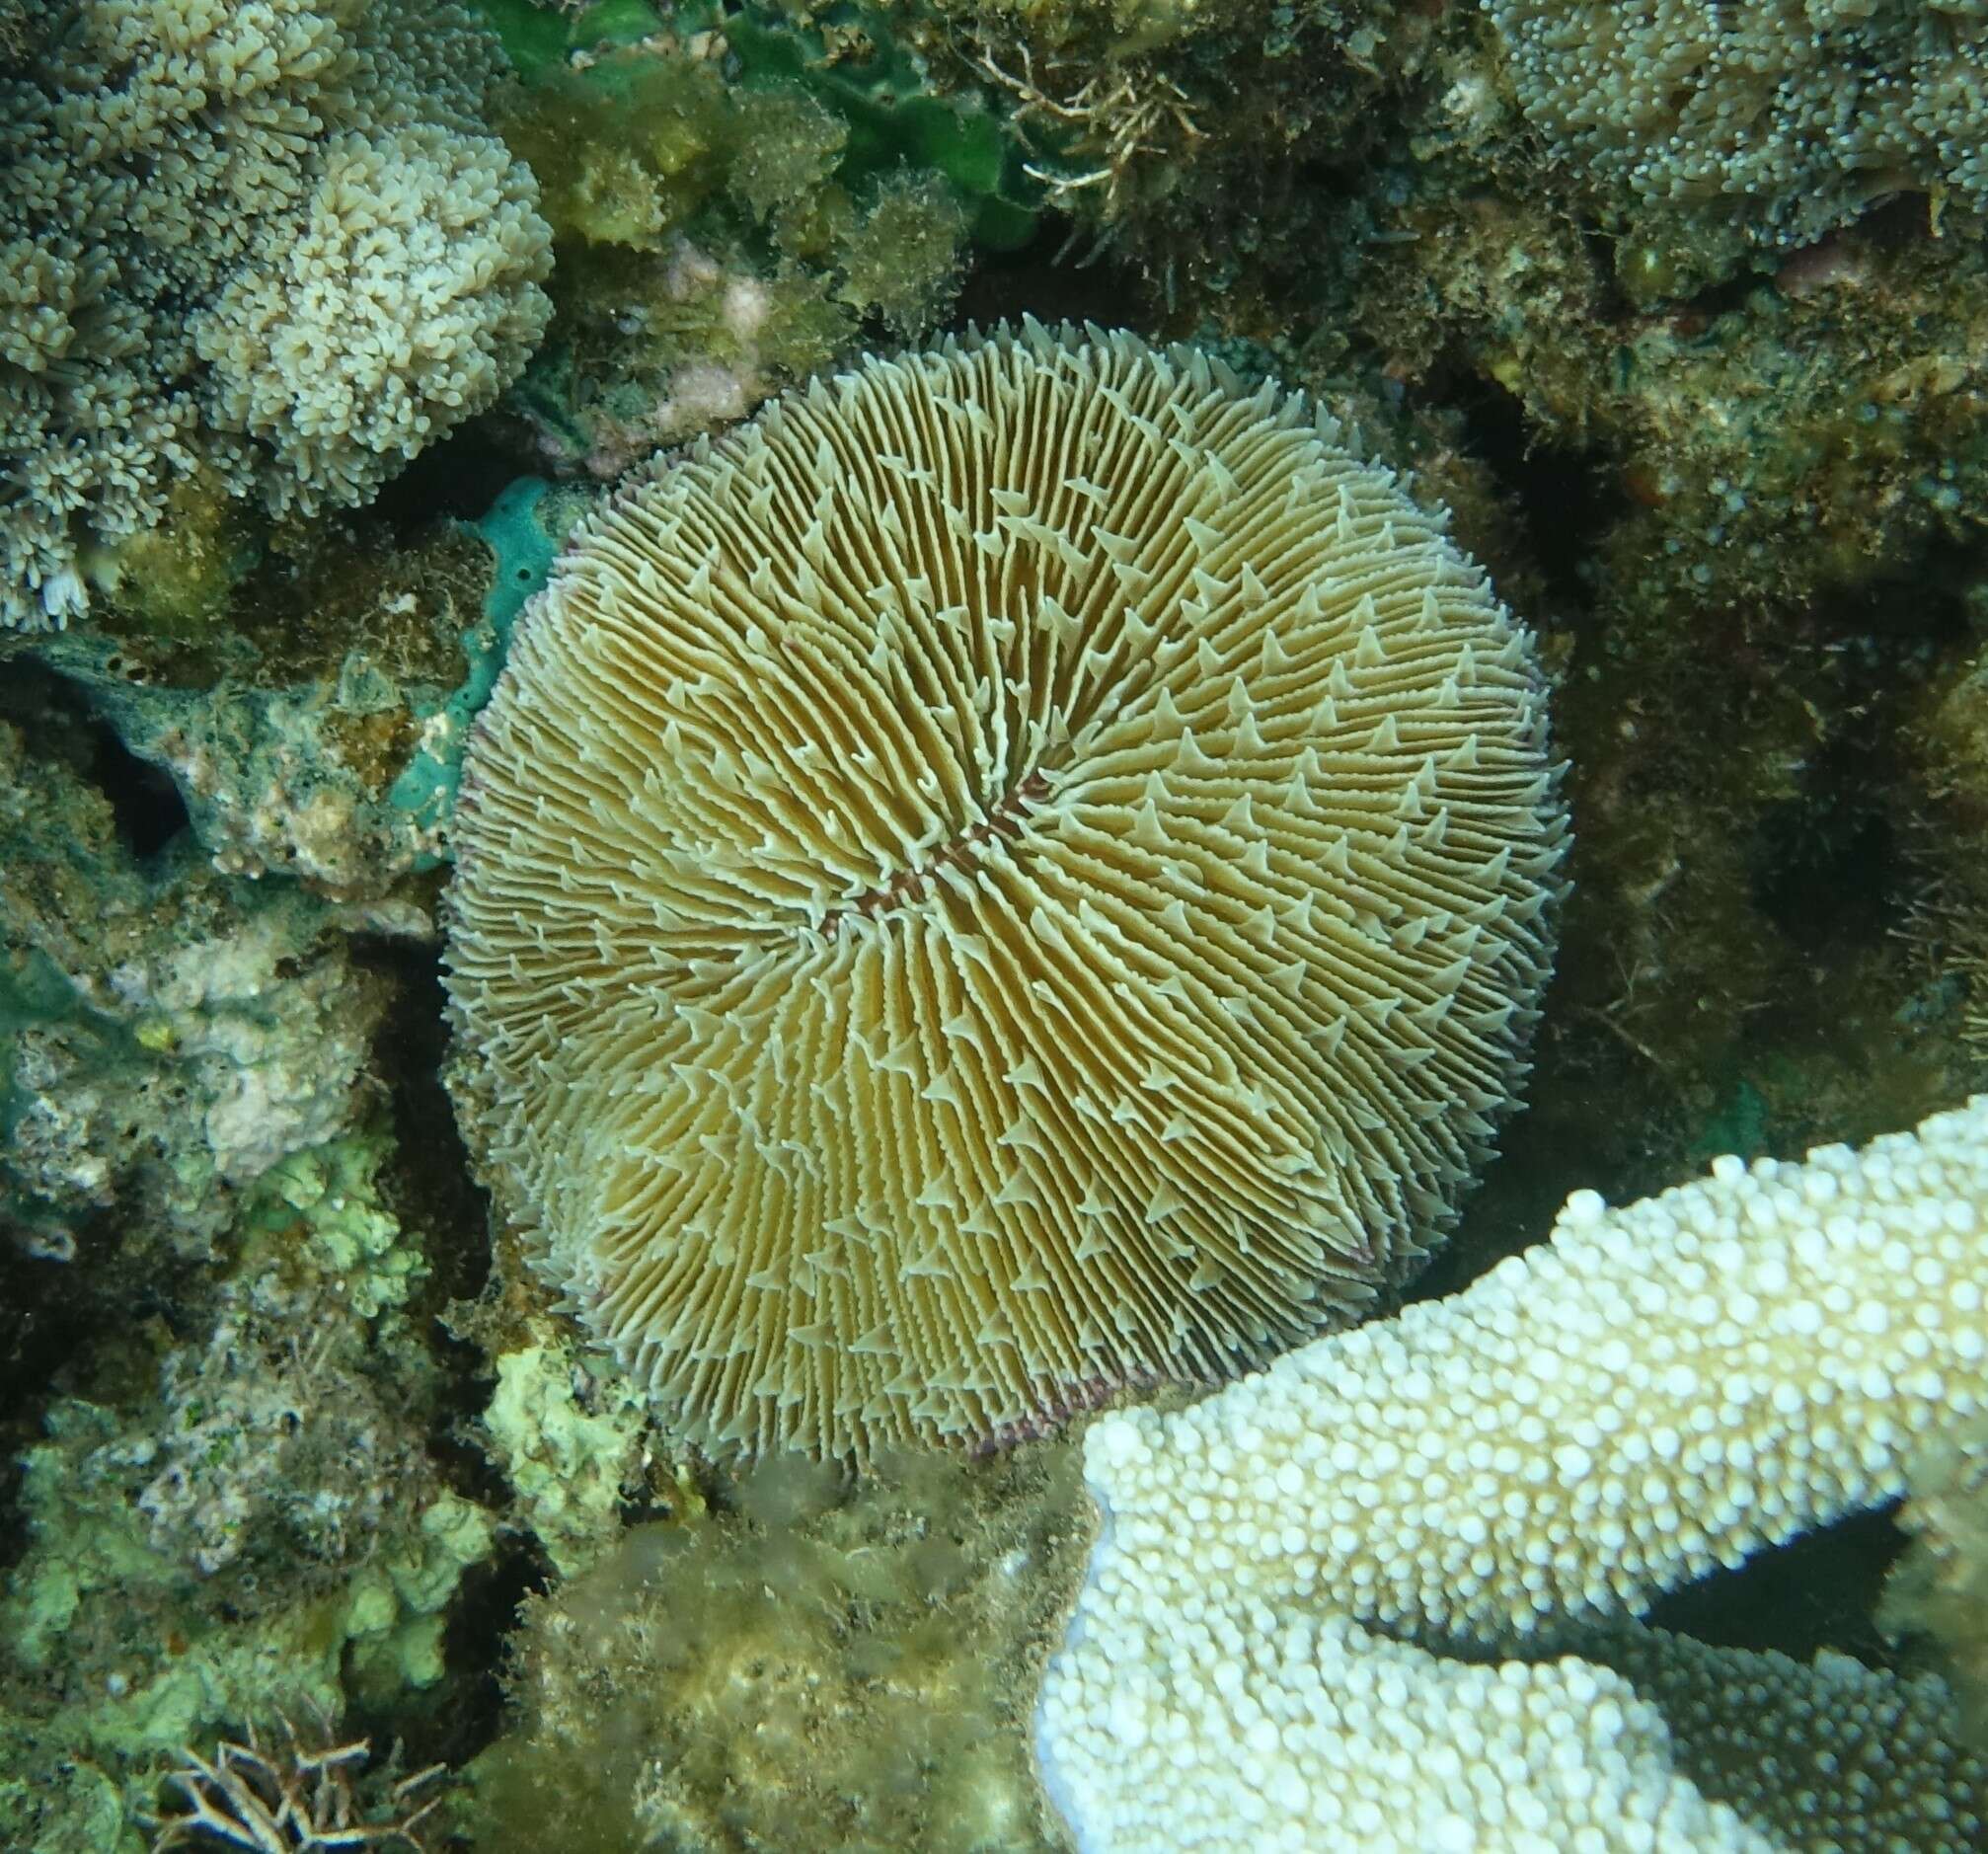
(1565, 497)
(42, 1324)
(1817, 1591)
(432, 1191)
(1699, 312)
(1005, 285)
(460, 477)
(1883, 635)
(58, 723)
(435, 1189)
(1826, 863)
(464, 1714)
(145, 804)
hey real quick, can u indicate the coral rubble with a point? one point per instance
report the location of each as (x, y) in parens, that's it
(167, 1037)
(257, 1532)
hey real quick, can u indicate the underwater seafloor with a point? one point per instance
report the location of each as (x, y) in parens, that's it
(322, 325)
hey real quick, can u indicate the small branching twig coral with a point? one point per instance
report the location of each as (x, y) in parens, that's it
(1115, 121)
(297, 1801)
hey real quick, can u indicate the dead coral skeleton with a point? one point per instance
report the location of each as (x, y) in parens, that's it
(1116, 119)
(294, 1801)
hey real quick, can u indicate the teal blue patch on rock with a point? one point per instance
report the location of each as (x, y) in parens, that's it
(526, 543)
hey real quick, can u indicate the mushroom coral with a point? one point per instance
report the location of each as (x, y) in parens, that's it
(1025, 869)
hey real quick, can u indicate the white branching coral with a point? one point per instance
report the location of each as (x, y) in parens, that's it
(269, 243)
(1268, 1636)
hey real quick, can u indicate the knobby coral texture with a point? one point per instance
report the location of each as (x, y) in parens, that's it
(1373, 1596)
(1785, 120)
(1026, 869)
(271, 244)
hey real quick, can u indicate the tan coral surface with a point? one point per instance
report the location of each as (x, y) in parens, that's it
(1025, 869)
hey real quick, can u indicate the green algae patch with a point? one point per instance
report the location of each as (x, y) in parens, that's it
(533, 36)
(738, 200)
(844, 59)
(571, 1443)
(323, 1207)
(894, 115)
(536, 38)
(821, 1667)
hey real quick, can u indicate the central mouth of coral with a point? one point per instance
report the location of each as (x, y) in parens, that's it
(1003, 823)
